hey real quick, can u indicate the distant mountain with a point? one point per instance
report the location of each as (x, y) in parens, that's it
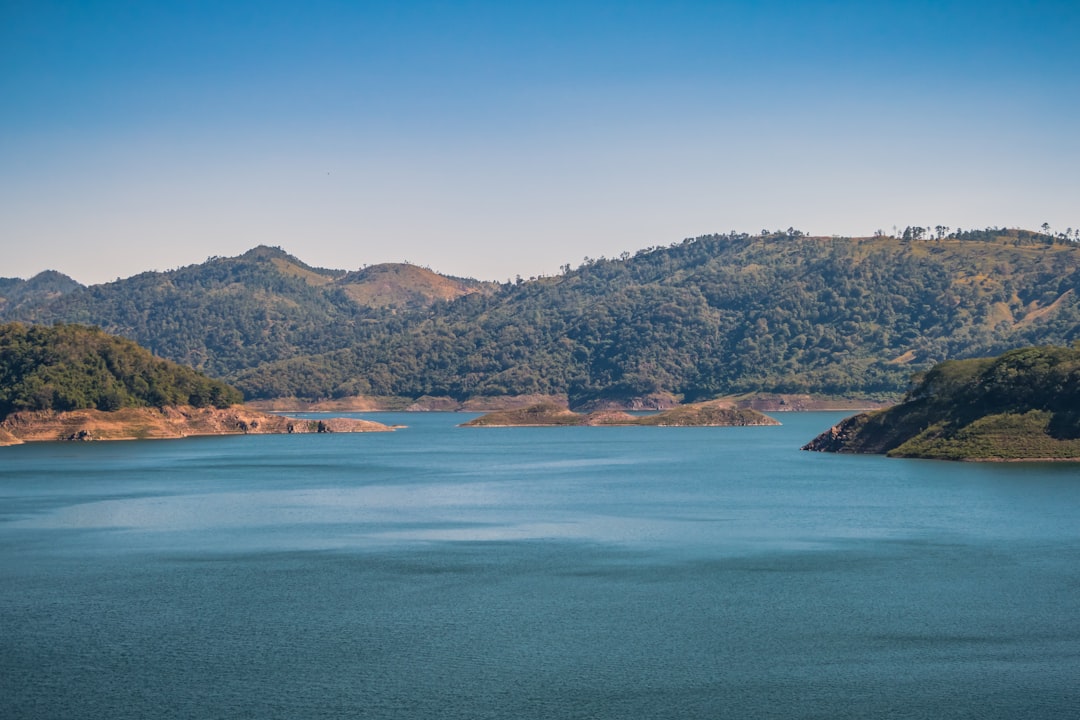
(714, 315)
(1023, 405)
(16, 293)
(70, 367)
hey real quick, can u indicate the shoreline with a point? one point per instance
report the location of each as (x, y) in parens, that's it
(168, 423)
(764, 402)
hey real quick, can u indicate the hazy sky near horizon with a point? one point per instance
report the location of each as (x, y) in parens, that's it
(490, 139)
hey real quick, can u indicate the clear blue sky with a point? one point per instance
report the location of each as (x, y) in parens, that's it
(492, 139)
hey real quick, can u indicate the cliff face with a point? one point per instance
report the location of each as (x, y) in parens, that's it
(848, 436)
(161, 423)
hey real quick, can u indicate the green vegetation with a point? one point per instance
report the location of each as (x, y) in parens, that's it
(716, 315)
(1024, 404)
(540, 414)
(16, 293)
(71, 367)
(230, 314)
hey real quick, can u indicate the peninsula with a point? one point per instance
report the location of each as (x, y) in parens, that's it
(174, 421)
(69, 382)
(1021, 406)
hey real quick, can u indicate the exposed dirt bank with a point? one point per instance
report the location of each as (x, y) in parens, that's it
(161, 423)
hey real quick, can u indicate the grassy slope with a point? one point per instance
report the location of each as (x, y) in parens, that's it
(1022, 405)
(1004, 436)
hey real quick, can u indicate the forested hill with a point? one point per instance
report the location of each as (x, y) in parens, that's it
(70, 367)
(1024, 404)
(718, 314)
(230, 314)
(16, 293)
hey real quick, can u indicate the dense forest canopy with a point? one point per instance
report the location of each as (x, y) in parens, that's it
(229, 314)
(16, 293)
(774, 312)
(71, 367)
(714, 315)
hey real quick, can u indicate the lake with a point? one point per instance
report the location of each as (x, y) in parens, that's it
(443, 572)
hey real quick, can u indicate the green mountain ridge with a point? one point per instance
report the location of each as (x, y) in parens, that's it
(16, 293)
(1022, 405)
(717, 315)
(714, 315)
(228, 314)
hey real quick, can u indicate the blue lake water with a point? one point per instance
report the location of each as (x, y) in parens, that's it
(442, 572)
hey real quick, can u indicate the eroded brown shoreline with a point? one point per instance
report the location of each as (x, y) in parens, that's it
(165, 423)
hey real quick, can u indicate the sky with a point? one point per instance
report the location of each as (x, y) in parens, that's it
(496, 139)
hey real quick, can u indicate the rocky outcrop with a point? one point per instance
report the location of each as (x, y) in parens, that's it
(161, 423)
(842, 438)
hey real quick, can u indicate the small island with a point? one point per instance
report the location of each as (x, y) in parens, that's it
(70, 382)
(1021, 406)
(715, 413)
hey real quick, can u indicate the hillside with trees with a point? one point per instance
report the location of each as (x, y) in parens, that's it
(230, 314)
(71, 367)
(1024, 404)
(16, 293)
(717, 315)
(777, 312)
